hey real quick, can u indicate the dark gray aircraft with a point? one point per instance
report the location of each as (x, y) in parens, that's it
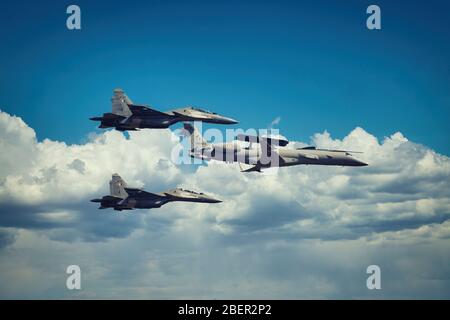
(124, 198)
(128, 116)
(265, 152)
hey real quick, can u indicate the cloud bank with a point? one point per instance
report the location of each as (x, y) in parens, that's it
(306, 232)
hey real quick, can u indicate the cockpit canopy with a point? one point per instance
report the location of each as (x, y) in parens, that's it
(190, 191)
(202, 110)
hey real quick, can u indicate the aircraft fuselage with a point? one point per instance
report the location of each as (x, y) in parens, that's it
(276, 157)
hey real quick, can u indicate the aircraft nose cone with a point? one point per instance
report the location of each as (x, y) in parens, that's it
(359, 163)
(232, 121)
(212, 200)
(226, 120)
(95, 119)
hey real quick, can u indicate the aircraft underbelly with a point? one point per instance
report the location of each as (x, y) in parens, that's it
(322, 161)
(157, 122)
(149, 203)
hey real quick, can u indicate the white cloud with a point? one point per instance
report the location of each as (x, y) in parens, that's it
(17, 143)
(275, 122)
(260, 237)
(55, 171)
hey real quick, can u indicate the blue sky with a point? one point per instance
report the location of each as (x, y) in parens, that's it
(313, 63)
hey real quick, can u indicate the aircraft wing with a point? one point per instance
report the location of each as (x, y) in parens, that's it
(138, 193)
(331, 150)
(267, 146)
(249, 167)
(263, 140)
(141, 110)
(346, 151)
(310, 156)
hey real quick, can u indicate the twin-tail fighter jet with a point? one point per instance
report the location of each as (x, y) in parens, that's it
(124, 198)
(265, 152)
(128, 116)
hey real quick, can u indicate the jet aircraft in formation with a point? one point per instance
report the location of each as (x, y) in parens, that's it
(122, 197)
(128, 116)
(258, 153)
(265, 152)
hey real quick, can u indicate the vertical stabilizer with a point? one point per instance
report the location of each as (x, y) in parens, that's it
(197, 140)
(120, 103)
(117, 187)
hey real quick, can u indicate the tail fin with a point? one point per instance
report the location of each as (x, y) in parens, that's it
(120, 103)
(197, 140)
(117, 187)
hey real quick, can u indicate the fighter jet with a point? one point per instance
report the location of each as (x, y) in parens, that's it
(265, 152)
(128, 116)
(123, 198)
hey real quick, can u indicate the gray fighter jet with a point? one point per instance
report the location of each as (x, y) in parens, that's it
(124, 198)
(128, 116)
(254, 153)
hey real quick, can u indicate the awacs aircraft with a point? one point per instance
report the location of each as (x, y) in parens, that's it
(265, 152)
(128, 116)
(124, 198)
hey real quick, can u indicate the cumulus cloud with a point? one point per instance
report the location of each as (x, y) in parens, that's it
(307, 231)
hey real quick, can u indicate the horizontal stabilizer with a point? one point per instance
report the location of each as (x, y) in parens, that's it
(107, 198)
(111, 198)
(107, 201)
(108, 116)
